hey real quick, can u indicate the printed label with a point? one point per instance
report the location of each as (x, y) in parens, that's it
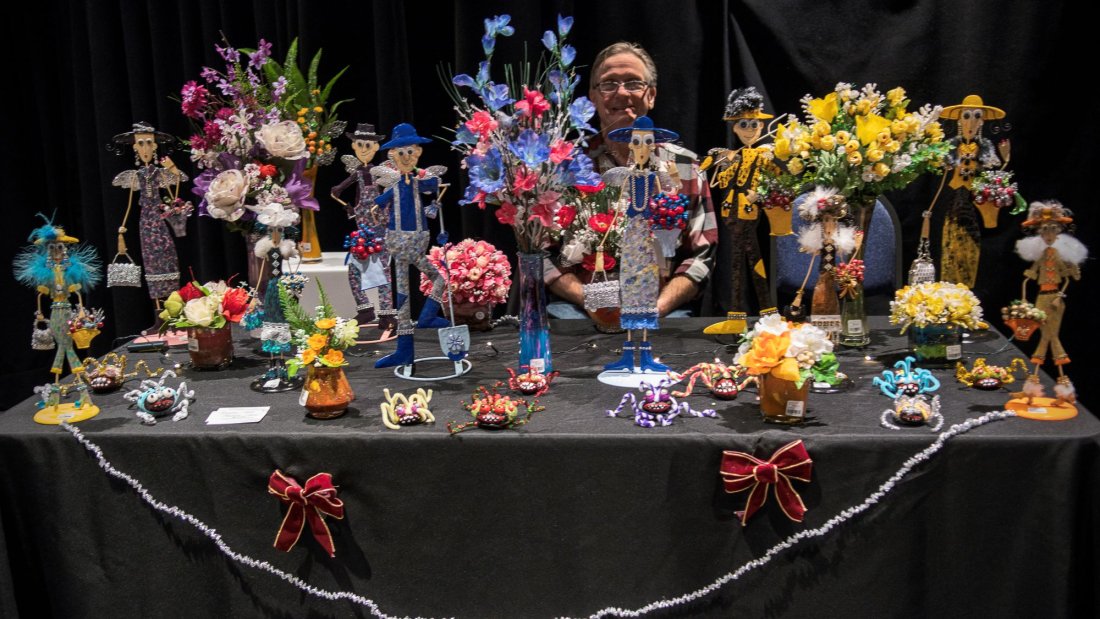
(538, 364)
(193, 345)
(796, 408)
(306, 246)
(302, 398)
(954, 351)
(1037, 410)
(818, 385)
(271, 384)
(855, 326)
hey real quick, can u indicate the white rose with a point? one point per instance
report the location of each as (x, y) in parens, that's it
(810, 339)
(773, 324)
(283, 139)
(226, 194)
(275, 215)
(201, 311)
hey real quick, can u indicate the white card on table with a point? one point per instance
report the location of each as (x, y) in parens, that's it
(237, 414)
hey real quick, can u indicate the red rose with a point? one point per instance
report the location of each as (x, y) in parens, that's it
(235, 304)
(589, 262)
(190, 291)
(565, 216)
(267, 170)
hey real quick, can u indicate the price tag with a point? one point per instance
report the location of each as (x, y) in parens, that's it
(818, 385)
(305, 246)
(302, 398)
(538, 365)
(796, 408)
(192, 345)
(954, 351)
(1037, 410)
(855, 326)
(271, 384)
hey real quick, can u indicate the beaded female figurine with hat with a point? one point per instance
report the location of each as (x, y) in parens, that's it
(56, 266)
(158, 253)
(639, 267)
(1055, 258)
(407, 235)
(737, 172)
(372, 271)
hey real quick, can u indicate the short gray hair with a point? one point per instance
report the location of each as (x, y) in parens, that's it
(625, 47)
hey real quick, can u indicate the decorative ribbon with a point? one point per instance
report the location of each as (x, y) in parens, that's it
(311, 503)
(741, 471)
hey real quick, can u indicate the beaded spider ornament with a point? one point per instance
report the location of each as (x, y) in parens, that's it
(720, 378)
(492, 411)
(532, 382)
(399, 410)
(154, 399)
(656, 406)
(909, 388)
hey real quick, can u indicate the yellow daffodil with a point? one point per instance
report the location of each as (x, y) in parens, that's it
(843, 137)
(868, 127)
(794, 166)
(854, 158)
(824, 109)
(895, 96)
(317, 341)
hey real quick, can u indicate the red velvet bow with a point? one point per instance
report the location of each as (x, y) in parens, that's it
(312, 503)
(740, 472)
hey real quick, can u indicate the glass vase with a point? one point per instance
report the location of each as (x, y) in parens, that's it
(936, 344)
(310, 245)
(853, 320)
(210, 349)
(781, 401)
(534, 325)
(328, 392)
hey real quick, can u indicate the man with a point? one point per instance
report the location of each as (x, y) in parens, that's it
(624, 87)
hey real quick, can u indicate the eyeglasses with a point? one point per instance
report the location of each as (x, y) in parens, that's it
(611, 86)
(748, 124)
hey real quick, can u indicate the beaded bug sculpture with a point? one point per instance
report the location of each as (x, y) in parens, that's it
(908, 387)
(720, 378)
(154, 399)
(108, 373)
(532, 382)
(988, 377)
(399, 410)
(657, 406)
(493, 411)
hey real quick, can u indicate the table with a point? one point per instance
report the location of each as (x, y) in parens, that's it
(570, 514)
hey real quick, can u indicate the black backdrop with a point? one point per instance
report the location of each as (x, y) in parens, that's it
(79, 72)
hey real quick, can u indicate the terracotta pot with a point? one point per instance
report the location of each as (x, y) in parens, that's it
(210, 349)
(328, 392)
(477, 316)
(781, 401)
(1023, 328)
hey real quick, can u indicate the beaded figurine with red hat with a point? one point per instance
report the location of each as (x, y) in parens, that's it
(1055, 257)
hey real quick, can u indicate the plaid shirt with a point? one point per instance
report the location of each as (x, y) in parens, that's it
(695, 253)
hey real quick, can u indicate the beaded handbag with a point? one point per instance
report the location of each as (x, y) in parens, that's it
(123, 273)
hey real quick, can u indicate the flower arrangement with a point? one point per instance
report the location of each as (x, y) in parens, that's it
(783, 349)
(479, 272)
(849, 277)
(935, 303)
(996, 187)
(1022, 310)
(521, 140)
(211, 305)
(594, 222)
(246, 139)
(861, 142)
(321, 339)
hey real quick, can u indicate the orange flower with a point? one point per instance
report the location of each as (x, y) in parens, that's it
(317, 341)
(325, 323)
(309, 356)
(334, 357)
(767, 352)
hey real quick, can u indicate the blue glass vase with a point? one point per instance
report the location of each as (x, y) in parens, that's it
(936, 344)
(534, 325)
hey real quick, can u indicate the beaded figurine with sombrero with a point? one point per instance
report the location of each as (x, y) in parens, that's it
(737, 173)
(1056, 258)
(148, 179)
(407, 235)
(639, 270)
(56, 265)
(970, 155)
(372, 271)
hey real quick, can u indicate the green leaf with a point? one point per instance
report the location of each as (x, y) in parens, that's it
(296, 317)
(292, 54)
(316, 62)
(326, 307)
(328, 87)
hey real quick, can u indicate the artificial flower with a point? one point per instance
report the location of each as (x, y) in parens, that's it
(308, 356)
(482, 123)
(589, 262)
(200, 311)
(869, 126)
(173, 306)
(235, 303)
(226, 194)
(325, 323)
(506, 214)
(601, 222)
(189, 291)
(283, 139)
(334, 357)
(824, 109)
(317, 341)
(525, 180)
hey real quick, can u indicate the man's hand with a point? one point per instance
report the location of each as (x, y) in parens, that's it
(678, 291)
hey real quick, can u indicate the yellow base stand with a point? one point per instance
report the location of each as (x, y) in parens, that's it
(735, 323)
(310, 245)
(1042, 409)
(54, 415)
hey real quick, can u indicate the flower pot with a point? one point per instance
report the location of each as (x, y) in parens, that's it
(936, 344)
(990, 211)
(1023, 328)
(328, 392)
(781, 401)
(476, 316)
(779, 220)
(210, 349)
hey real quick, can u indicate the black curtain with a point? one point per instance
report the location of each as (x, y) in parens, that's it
(80, 72)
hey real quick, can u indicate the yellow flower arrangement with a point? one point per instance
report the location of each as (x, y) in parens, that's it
(783, 349)
(321, 340)
(935, 303)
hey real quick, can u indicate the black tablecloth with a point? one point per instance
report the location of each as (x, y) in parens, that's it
(567, 515)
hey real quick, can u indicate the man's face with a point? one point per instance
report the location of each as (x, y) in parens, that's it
(641, 147)
(619, 108)
(365, 150)
(970, 122)
(405, 157)
(747, 130)
(145, 145)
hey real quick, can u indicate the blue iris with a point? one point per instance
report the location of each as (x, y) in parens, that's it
(549, 40)
(580, 112)
(580, 172)
(568, 55)
(495, 95)
(532, 148)
(564, 25)
(499, 25)
(463, 80)
(487, 171)
(488, 43)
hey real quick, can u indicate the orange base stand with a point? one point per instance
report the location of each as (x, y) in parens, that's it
(1042, 409)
